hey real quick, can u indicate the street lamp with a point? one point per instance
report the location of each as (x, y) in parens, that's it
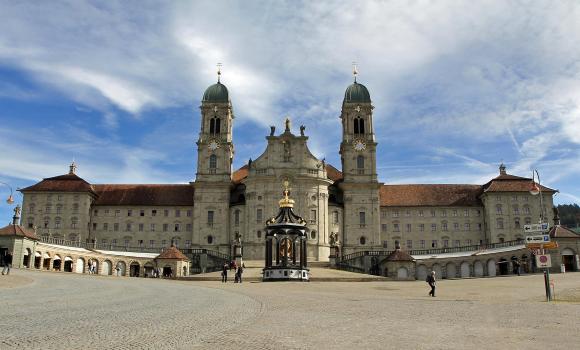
(536, 189)
(10, 199)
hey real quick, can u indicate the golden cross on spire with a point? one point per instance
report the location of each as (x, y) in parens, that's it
(219, 71)
(354, 70)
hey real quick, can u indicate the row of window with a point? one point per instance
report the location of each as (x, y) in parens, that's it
(514, 198)
(432, 213)
(50, 197)
(142, 212)
(129, 227)
(421, 227)
(74, 221)
(517, 223)
(423, 244)
(48, 208)
(515, 208)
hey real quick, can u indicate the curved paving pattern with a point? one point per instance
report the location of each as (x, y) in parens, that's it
(76, 311)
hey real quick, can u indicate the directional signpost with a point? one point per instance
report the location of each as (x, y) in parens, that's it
(539, 242)
(533, 228)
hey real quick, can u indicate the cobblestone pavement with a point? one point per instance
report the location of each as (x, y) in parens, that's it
(70, 311)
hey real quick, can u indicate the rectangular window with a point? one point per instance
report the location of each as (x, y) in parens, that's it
(432, 213)
(384, 227)
(433, 227)
(479, 226)
(466, 212)
(396, 228)
(313, 216)
(385, 244)
(189, 214)
(467, 226)
(468, 242)
(117, 212)
(421, 227)
(152, 227)
(187, 243)
(444, 226)
(165, 227)
(408, 213)
(478, 212)
(516, 210)
(514, 198)
(362, 219)
(103, 241)
(409, 244)
(456, 226)
(408, 227)
(140, 227)
(210, 217)
(396, 214)
(106, 212)
(105, 227)
(444, 213)
(96, 212)
(422, 244)
(129, 212)
(177, 213)
(434, 243)
(456, 243)
(188, 228)
(237, 218)
(94, 225)
(141, 212)
(166, 212)
(153, 212)
(498, 209)
(114, 241)
(445, 243)
(420, 213)
(128, 227)
(151, 243)
(177, 228)
(454, 212)
(335, 217)
(259, 215)
(127, 242)
(163, 243)
(59, 197)
(116, 227)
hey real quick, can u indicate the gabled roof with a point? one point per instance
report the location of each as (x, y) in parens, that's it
(399, 255)
(172, 253)
(430, 195)
(62, 183)
(18, 231)
(511, 183)
(144, 195)
(562, 232)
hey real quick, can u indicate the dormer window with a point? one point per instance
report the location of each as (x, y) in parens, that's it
(359, 125)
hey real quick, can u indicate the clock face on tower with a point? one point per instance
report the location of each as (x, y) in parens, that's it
(213, 145)
(359, 145)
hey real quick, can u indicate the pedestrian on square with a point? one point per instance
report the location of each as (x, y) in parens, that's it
(225, 273)
(7, 262)
(431, 281)
(517, 267)
(239, 274)
(90, 267)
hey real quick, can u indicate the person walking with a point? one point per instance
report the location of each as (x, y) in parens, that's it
(225, 273)
(516, 267)
(7, 259)
(431, 281)
(239, 273)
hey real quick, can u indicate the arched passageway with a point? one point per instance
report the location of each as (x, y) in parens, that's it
(491, 268)
(421, 272)
(80, 267)
(167, 271)
(122, 268)
(37, 260)
(46, 262)
(438, 270)
(27, 258)
(106, 268)
(503, 267)
(478, 269)
(451, 270)
(68, 264)
(134, 269)
(465, 270)
(402, 273)
(148, 267)
(57, 263)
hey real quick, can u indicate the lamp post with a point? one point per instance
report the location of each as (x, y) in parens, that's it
(536, 189)
(10, 199)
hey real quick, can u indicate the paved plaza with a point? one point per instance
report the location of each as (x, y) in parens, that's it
(43, 310)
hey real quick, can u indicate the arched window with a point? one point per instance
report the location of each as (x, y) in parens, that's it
(214, 125)
(363, 240)
(237, 218)
(74, 222)
(209, 239)
(359, 125)
(212, 163)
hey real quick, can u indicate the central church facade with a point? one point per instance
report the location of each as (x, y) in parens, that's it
(347, 208)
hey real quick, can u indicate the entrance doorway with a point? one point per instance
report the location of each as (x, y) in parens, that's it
(37, 258)
(568, 258)
(167, 271)
(503, 267)
(134, 269)
(26, 259)
(68, 264)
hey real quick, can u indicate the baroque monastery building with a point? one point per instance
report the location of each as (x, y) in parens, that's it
(345, 208)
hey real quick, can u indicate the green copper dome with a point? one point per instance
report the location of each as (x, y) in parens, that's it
(216, 93)
(357, 93)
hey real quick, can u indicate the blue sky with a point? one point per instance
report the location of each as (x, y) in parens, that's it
(458, 86)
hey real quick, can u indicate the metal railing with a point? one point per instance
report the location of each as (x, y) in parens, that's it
(433, 251)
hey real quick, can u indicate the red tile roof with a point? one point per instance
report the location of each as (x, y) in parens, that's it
(18, 231)
(511, 183)
(430, 195)
(331, 172)
(62, 183)
(399, 255)
(144, 195)
(562, 232)
(172, 253)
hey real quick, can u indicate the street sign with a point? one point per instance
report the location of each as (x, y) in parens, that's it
(539, 246)
(538, 239)
(536, 227)
(543, 261)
